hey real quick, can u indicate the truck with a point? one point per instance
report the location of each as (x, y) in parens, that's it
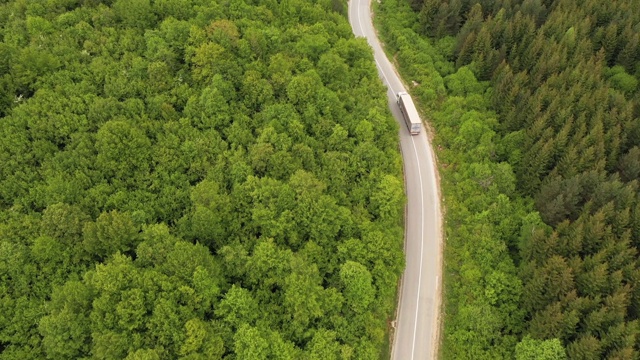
(410, 113)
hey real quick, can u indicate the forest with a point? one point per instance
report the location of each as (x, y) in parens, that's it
(194, 179)
(535, 108)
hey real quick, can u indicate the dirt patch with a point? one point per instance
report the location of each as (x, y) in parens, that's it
(439, 319)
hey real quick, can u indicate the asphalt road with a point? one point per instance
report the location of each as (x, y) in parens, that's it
(419, 303)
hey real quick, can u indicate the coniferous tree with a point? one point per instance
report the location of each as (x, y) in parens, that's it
(564, 83)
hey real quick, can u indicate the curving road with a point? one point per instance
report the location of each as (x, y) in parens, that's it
(417, 318)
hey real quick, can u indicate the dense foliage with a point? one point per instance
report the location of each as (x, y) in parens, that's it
(540, 165)
(194, 178)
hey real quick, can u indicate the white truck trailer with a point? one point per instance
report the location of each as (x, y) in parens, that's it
(410, 113)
